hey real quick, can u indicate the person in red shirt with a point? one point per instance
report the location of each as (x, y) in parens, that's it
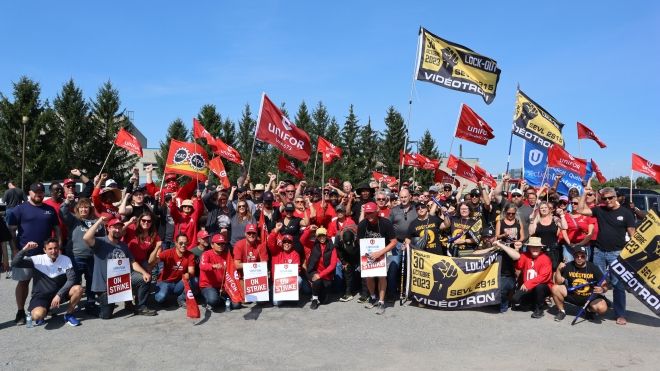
(104, 198)
(381, 201)
(282, 252)
(178, 264)
(55, 201)
(321, 267)
(339, 221)
(535, 277)
(249, 250)
(186, 217)
(143, 241)
(212, 268)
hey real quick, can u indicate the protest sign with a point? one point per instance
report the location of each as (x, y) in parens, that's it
(368, 267)
(119, 280)
(285, 282)
(256, 281)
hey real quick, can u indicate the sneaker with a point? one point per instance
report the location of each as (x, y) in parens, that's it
(380, 308)
(591, 316)
(39, 322)
(560, 316)
(145, 312)
(71, 320)
(182, 303)
(345, 298)
(208, 308)
(372, 303)
(314, 305)
(363, 299)
(8, 275)
(20, 318)
(538, 313)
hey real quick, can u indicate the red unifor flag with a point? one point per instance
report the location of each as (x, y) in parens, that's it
(231, 285)
(329, 150)
(407, 159)
(199, 132)
(128, 142)
(217, 145)
(192, 310)
(440, 176)
(646, 167)
(596, 171)
(558, 157)
(187, 159)
(274, 128)
(485, 176)
(425, 163)
(218, 168)
(585, 133)
(452, 162)
(288, 167)
(379, 177)
(472, 127)
(466, 171)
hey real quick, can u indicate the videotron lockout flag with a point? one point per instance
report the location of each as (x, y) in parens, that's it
(455, 283)
(534, 124)
(456, 67)
(638, 264)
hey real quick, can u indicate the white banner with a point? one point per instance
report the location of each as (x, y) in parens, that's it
(119, 280)
(256, 281)
(369, 268)
(285, 285)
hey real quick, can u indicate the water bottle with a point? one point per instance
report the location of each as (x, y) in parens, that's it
(28, 320)
(227, 305)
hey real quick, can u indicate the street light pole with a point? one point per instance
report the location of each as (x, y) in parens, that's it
(25, 120)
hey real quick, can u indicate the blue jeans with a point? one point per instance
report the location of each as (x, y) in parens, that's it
(394, 270)
(173, 288)
(213, 297)
(84, 267)
(603, 259)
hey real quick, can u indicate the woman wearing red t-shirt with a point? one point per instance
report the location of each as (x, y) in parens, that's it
(580, 232)
(145, 241)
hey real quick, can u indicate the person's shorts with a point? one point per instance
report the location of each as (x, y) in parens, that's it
(21, 274)
(580, 300)
(44, 301)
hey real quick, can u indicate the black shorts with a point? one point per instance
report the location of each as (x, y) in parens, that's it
(580, 300)
(44, 301)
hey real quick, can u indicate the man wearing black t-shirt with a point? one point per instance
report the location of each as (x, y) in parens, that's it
(580, 277)
(426, 229)
(614, 222)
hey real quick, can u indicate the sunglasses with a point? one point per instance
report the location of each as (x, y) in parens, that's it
(575, 203)
(290, 191)
(609, 198)
(69, 185)
(381, 199)
(511, 214)
(516, 195)
(182, 243)
(241, 205)
(251, 234)
(148, 221)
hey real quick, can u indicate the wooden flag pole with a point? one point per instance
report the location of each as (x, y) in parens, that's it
(322, 176)
(107, 157)
(256, 127)
(316, 157)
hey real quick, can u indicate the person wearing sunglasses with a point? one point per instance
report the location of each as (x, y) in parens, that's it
(614, 222)
(249, 250)
(509, 228)
(178, 265)
(581, 230)
(239, 221)
(524, 210)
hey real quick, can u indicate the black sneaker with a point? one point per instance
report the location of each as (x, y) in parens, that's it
(314, 305)
(591, 316)
(560, 316)
(345, 298)
(538, 313)
(20, 318)
(363, 299)
(373, 302)
(145, 312)
(380, 308)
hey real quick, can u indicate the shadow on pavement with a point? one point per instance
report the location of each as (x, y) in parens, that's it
(207, 317)
(54, 323)
(253, 314)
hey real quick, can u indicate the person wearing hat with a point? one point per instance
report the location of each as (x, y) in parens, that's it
(374, 226)
(178, 265)
(343, 231)
(365, 194)
(185, 219)
(535, 277)
(292, 226)
(111, 247)
(257, 192)
(321, 264)
(203, 243)
(282, 252)
(339, 221)
(249, 250)
(105, 198)
(31, 221)
(424, 231)
(212, 268)
(271, 214)
(580, 277)
(136, 206)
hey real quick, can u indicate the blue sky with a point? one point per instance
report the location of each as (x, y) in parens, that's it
(594, 62)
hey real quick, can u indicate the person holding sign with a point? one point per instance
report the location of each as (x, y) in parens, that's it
(110, 256)
(248, 250)
(372, 227)
(322, 263)
(282, 252)
(212, 268)
(54, 281)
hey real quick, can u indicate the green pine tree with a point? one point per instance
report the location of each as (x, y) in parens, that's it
(72, 127)
(321, 121)
(177, 130)
(427, 148)
(368, 156)
(303, 120)
(393, 142)
(351, 147)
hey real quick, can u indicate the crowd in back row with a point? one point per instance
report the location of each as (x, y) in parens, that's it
(190, 232)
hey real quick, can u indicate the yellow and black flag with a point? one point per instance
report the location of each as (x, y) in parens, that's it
(456, 67)
(534, 124)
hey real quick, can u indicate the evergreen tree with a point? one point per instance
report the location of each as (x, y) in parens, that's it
(333, 134)
(321, 121)
(304, 121)
(395, 134)
(210, 119)
(427, 148)
(72, 127)
(228, 135)
(350, 146)
(177, 130)
(245, 137)
(106, 119)
(368, 156)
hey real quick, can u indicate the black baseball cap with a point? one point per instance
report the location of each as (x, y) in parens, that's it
(268, 196)
(37, 187)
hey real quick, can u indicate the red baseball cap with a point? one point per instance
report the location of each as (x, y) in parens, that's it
(68, 181)
(370, 207)
(202, 234)
(114, 221)
(287, 237)
(251, 228)
(219, 238)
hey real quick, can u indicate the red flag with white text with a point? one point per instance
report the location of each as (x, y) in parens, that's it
(274, 128)
(192, 310)
(329, 150)
(472, 127)
(425, 163)
(217, 145)
(585, 133)
(379, 177)
(485, 176)
(232, 284)
(218, 168)
(646, 167)
(452, 162)
(288, 167)
(558, 157)
(128, 142)
(440, 176)
(466, 171)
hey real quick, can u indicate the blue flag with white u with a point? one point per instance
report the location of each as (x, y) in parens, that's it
(534, 167)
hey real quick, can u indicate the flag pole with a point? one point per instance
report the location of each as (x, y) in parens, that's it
(256, 127)
(631, 185)
(579, 148)
(107, 157)
(410, 101)
(316, 157)
(322, 176)
(508, 159)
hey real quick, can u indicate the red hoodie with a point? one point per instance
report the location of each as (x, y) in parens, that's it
(103, 207)
(187, 224)
(335, 225)
(534, 271)
(208, 276)
(278, 255)
(247, 253)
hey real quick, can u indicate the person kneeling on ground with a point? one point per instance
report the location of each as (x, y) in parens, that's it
(575, 281)
(507, 267)
(54, 281)
(282, 252)
(178, 265)
(535, 275)
(212, 268)
(322, 264)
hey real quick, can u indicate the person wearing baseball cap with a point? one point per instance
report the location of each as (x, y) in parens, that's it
(178, 265)
(365, 195)
(575, 282)
(212, 268)
(374, 226)
(104, 198)
(271, 214)
(321, 264)
(249, 250)
(203, 243)
(111, 247)
(282, 252)
(535, 277)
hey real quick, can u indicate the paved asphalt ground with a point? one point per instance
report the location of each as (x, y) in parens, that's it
(336, 336)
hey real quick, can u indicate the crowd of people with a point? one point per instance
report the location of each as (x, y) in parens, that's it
(554, 248)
